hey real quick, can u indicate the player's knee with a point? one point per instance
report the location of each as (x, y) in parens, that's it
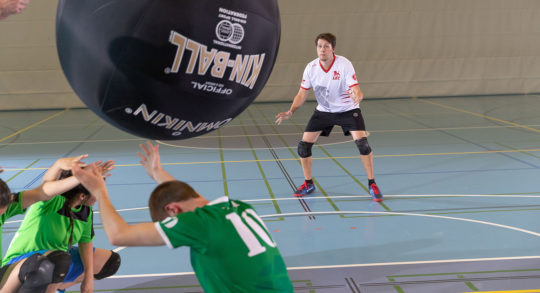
(36, 273)
(363, 146)
(304, 149)
(61, 261)
(110, 267)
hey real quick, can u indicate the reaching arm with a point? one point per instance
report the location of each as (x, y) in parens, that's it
(62, 164)
(298, 101)
(48, 190)
(118, 231)
(87, 257)
(152, 163)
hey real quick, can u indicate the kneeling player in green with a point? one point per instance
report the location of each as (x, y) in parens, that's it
(53, 226)
(54, 265)
(231, 249)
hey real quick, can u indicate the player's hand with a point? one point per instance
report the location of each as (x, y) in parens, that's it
(90, 177)
(87, 285)
(67, 163)
(283, 116)
(1, 170)
(9, 7)
(150, 159)
(105, 167)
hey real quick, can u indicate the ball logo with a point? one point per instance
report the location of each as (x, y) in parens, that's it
(227, 31)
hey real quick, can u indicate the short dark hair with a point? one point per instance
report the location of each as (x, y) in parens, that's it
(5, 194)
(330, 38)
(164, 194)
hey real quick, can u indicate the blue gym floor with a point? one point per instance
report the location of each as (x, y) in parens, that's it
(460, 175)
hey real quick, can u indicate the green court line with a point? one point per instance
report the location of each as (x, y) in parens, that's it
(330, 201)
(468, 283)
(22, 170)
(350, 175)
(221, 157)
(523, 152)
(464, 273)
(307, 283)
(398, 289)
(276, 206)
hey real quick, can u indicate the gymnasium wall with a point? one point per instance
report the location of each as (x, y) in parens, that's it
(400, 48)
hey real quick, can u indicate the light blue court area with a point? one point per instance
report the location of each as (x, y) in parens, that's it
(460, 176)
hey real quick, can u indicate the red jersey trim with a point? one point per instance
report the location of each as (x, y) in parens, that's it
(304, 88)
(326, 71)
(353, 85)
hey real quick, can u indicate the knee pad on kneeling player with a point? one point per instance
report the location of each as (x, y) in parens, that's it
(304, 149)
(363, 146)
(36, 273)
(110, 267)
(61, 261)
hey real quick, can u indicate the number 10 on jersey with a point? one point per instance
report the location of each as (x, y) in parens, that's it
(253, 244)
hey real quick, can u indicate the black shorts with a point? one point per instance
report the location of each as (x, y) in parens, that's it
(325, 121)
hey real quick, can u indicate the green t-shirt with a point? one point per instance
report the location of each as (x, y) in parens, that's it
(46, 226)
(14, 208)
(231, 249)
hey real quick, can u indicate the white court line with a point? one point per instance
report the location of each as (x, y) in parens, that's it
(403, 214)
(349, 266)
(351, 196)
(395, 213)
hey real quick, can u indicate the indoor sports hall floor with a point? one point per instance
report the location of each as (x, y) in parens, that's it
(461, 179)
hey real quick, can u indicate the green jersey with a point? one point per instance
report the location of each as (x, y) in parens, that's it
(47, 226)
(231, 249)
(14, 208)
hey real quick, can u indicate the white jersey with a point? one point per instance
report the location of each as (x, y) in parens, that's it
(332, 86)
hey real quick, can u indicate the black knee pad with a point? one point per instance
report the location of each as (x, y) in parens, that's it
(61, 261)
(363, 146)
(304, 149)
(110, 267)
(35, 274)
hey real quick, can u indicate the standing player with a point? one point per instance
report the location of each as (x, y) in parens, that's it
(231, 249)
(334, 83)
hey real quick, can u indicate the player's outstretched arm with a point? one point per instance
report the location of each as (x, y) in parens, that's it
(151, 162)
(62, 164)
(298, 101)
(118, 231)
(49, 189)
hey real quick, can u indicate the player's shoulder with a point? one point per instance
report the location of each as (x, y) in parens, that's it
(342, 60)
(313, 63)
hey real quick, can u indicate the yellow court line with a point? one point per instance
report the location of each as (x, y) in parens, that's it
(478, 115)
(35, 124)
(509, 291)
(323, 158)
